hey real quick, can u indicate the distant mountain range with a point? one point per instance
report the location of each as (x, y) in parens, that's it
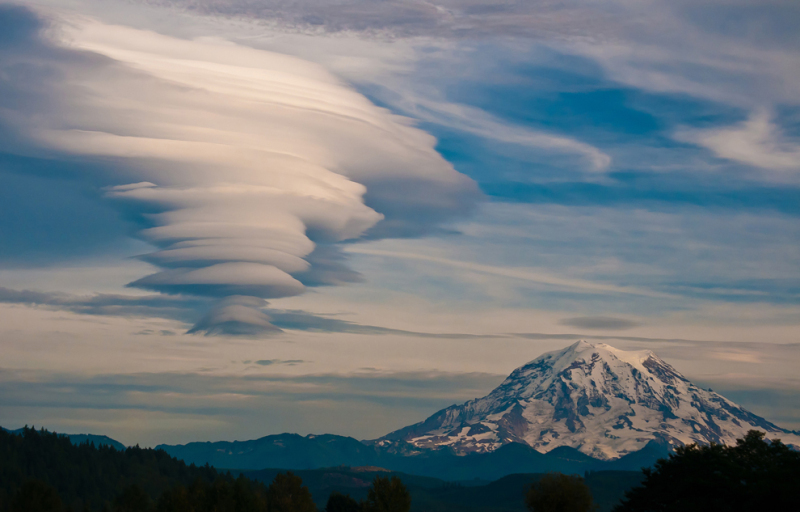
(292, 451)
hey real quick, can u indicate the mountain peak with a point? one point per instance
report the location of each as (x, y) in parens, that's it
(601, 400)
(582, 349)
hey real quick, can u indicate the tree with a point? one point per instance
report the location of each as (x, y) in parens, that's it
(222, 495)
(752, 475)
(338, 502)
(87, 476)
(176, 499)
(132, 499)
(288, 494)
(556, 492)
(387, 495)
(36, 496)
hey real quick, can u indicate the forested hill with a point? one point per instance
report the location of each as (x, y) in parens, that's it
(88, 477)
(81, 438)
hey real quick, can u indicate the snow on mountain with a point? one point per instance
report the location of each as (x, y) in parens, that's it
(600, 400)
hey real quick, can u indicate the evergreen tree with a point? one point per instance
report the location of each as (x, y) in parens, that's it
(288, 494)
(387, 495)
(36, 496)
(223, 495)
(132, 499)
(556, 492)
(753, 475)
(94, 478)
(338, 502)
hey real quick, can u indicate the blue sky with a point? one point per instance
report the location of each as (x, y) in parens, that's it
(391, 205)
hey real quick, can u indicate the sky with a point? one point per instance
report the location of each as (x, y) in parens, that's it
(224, 219)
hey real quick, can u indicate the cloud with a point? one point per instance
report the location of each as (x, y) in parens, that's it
(246, 406)
(600, 323)
(144, 306)
(757, 142)
(252, 405)
(479, 122)
(244, 168)
(236, 316)
(151, 332)
(303, 321)
(413, 18)
(525, 274)
(327, 266)
(577, 336)
(288, 362)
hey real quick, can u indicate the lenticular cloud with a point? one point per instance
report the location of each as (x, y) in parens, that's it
(244, 167)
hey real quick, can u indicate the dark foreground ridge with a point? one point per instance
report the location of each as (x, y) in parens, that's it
(433, 495)
(60, 476)
(82, 438)
(87, 476)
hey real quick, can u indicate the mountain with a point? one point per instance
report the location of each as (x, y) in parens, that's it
(584, 408)
(604, 402)
(288, 451)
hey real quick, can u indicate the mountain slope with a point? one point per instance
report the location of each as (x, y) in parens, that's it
(294, 452)
(287, 451)
(600, 400)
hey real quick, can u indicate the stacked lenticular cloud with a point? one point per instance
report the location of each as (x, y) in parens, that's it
(238, 163)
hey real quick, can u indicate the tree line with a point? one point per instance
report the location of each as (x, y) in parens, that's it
(752, 475)
(42, 471)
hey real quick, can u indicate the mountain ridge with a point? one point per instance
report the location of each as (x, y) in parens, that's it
(296, 452)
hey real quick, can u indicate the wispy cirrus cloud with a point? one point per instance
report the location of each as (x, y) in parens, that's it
(145, 306)
(600, 323)
(758, 142)
(243, 406)
(475, 121)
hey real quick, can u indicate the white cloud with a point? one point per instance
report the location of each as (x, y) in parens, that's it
(519, 274)
(239, 161)
(479, 122)
(757, 141)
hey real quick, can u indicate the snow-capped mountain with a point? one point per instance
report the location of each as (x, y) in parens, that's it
(603, 401)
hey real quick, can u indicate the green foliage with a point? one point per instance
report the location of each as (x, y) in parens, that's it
(753, 475)
(387, 495)
(338, 502)
(556, 492)
(288, 494)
